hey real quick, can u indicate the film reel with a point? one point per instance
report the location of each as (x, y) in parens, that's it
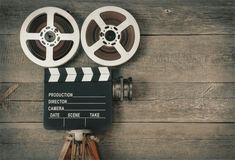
(110, 36)
(49, 36)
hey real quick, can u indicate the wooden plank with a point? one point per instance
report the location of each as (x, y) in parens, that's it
(3, 87)
(154, 17)
(142, 91)
(126, 141)
(159, 59)
(29, 142)
(5, 93)
(175, 80)
(152, 102)
(176, 110)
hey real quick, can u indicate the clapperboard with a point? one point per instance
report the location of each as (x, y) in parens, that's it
(77, 98)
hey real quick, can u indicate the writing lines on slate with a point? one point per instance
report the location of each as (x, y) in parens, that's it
(77, 98)
(86, 110)
(68, 108)
(78, 118)
(83, 74)
(86, 103)
(88, 96)
(85, 119)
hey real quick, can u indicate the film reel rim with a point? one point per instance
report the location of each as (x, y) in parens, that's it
(74, 36)
(130, 21)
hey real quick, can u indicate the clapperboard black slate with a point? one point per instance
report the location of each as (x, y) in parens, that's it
(77, 98)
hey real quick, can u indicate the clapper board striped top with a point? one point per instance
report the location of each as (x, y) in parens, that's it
(83, 74)
(77, 98)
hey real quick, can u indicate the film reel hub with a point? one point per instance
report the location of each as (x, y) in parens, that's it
(49, 36)
(110, 36)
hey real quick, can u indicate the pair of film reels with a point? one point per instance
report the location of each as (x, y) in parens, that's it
(50, 36)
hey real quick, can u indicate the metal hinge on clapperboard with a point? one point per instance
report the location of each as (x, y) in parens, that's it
(79, 100)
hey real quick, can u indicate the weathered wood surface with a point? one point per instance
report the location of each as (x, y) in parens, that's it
(154, 17)
(184, 84)
(152, 102)
(149, 141)
(159, 59)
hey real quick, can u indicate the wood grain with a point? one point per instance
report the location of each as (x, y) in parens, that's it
(154, 17)
(126, 141)
(177, 110)
(159, 59)
(184, 84)
(152, 102)
(7, 92)
(143, 91)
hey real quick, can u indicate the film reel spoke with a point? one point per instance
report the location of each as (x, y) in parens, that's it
(121, 50)
(123, 25)
(51, 31)
(50, 17)
(68, 36)
(114, 46)
(49, 54)
(96, 46)
(100, 21)
(31, 36)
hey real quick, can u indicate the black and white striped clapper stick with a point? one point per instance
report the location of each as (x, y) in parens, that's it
(83, 74)
(77, 98)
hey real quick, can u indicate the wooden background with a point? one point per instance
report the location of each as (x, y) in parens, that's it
(184, 83)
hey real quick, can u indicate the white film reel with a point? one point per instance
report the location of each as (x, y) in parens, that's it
(110, 36)
(49, 36)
